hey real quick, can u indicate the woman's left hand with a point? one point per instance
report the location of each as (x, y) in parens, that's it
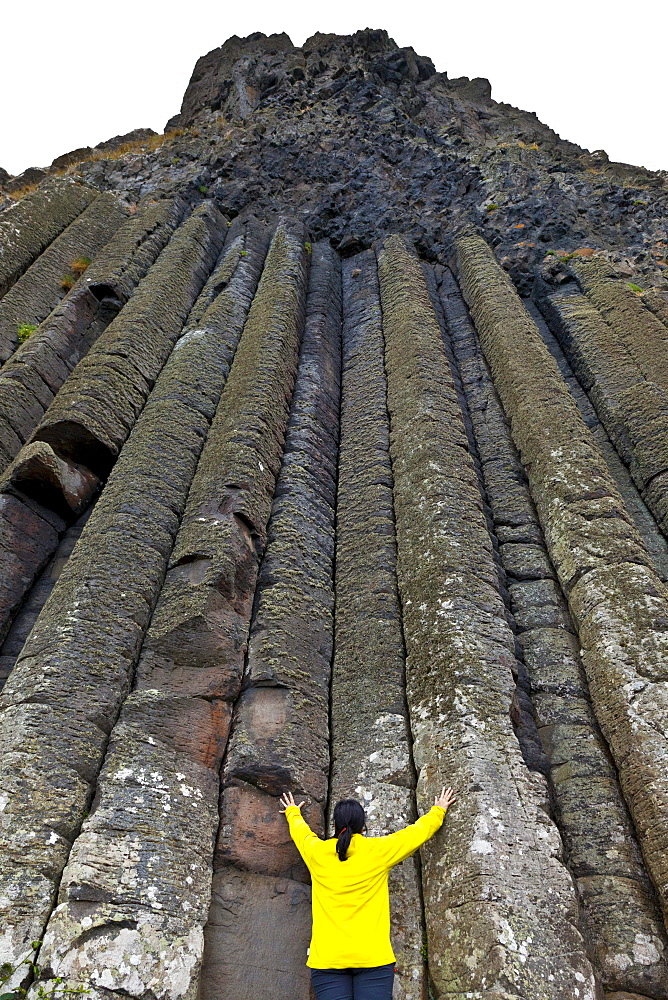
(288, 799)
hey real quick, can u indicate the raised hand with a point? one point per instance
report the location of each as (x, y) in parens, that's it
(445, 799)
(288, 799)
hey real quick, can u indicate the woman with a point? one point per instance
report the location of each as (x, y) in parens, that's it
(351, 957)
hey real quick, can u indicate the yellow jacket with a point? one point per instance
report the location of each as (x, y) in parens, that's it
(350, 902)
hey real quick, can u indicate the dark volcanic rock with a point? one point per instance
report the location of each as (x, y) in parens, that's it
(361, 137)
(121, 140)
(288, 516)
(33, 175)
(236, 78)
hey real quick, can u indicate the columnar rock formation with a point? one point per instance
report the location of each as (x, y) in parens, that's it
(371, 746)
(320, 474)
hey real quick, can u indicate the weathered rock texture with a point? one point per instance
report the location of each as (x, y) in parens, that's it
(166, 745)
(28, 227)
(192, 660)
(371, 755)
(655, 542)
(55, 735)
(42, 287)
(459, 682)
(59, 471)
(620, 353)
(279, 512)
(30, 609)
(39, 367)
(127, 358)
(621, 920)
(280, 733)
(618, 603)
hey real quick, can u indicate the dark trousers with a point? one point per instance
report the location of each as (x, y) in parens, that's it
(354, 984)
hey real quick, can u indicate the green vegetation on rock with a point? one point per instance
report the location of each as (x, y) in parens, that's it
(25, 330)
(54, 988)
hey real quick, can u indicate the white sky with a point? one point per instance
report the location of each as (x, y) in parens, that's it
(75, 74)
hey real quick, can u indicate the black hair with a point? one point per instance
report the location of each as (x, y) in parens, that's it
(349, 818)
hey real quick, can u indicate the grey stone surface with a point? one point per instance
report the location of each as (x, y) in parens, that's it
(617, 602)
(654, 540)
(618, 913)
(177, 719)
(63, 697)
(642, 333)
(204, 611)
(35, 372)
(505, 920)
(255, 938)
(95, 410)
(40, 366)
(371, 746)
(29, 534)
(126, 258)
(41, 288)
(37, 596)
(165, 750)
(31, 224)
(280, 738)
(93, 413)
(630, 398)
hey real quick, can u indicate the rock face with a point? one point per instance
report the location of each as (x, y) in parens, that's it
(371, 751)
(341, 468)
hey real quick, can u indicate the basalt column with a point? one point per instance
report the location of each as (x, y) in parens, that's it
(63, 696)
(656, 304)
(655, 543)
(55, 475)
(617, 601)
(37, 369)
(500, 906)
(133, 886)
(28, 227)
(621, 921)
(44, 284)
(632, 406)
(641, 332)
(260, 918)
(88, 424)
(371, 757)
(164, 754)
(36, 599)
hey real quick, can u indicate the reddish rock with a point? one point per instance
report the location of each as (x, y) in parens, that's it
(254, 835)
(40, 473)
(28, 536)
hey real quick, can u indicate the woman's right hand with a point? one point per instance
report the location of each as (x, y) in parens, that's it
(288, 799)
(445, 799)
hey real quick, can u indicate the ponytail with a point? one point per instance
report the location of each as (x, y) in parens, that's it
(343, 842)
(349, 818)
